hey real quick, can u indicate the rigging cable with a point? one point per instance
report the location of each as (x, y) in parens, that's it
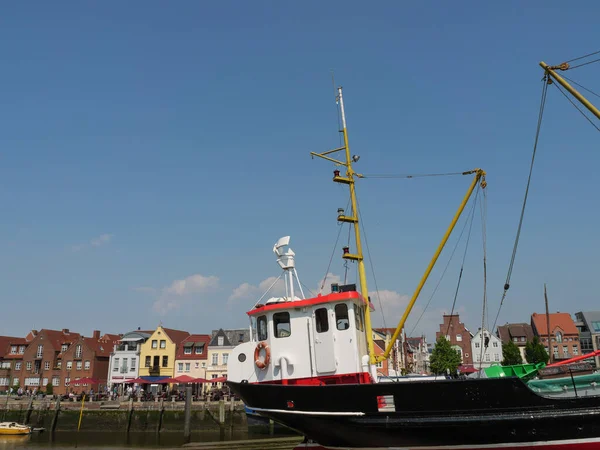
(584, 56)
(418, 175)
(535, 144)
(371, 264)
(584, 64)
(576, 107)
(580, 85)
(463, 260)
(444, 271)
(332, 254)
(483, 211)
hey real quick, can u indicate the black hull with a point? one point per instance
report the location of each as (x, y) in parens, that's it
(446, 413)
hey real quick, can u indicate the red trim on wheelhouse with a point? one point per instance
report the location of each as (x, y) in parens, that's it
(336, 297)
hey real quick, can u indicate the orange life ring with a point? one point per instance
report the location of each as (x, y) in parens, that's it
(262, 363)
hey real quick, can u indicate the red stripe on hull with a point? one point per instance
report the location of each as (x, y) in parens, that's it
(559, 445)
(345, 378)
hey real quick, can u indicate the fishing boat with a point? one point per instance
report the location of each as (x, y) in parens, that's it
(13, 429)
(311, 365)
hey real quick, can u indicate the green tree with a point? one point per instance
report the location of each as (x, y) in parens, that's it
(535, 352)
(511, 354)
(444, 357)
(49, 389)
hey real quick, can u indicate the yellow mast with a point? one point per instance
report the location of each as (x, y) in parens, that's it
(358, 256)
(551, 71)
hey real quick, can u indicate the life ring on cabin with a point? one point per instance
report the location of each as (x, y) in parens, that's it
(262, 363)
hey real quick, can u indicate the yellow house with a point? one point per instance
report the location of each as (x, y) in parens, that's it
(157, 354)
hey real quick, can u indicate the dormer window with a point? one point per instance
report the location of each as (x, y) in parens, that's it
(199, 349)
(64, 348)
(187, 350)
(220, 340)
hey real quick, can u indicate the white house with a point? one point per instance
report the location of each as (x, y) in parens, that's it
(124, 363)
(486, 349)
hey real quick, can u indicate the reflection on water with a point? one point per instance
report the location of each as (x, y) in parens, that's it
(89, 440)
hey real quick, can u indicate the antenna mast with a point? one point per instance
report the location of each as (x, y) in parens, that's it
(352, 218)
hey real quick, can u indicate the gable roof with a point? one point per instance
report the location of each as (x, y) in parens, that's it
(214, 342)
(193, 341)
(511, 330)
(57, 338)
(176, 336)
(232, 337)
(557, 320)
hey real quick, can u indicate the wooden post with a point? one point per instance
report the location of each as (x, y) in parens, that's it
(130, 414)
(550, 350)
(221, 412)
(160, 416)
(188, 414)
(55, 418)
(29, 409)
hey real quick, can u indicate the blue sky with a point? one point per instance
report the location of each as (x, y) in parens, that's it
(152, 153)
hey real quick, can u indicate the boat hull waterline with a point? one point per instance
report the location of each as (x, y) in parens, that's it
(446, 414)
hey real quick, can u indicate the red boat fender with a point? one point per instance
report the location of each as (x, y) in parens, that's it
(262, 363)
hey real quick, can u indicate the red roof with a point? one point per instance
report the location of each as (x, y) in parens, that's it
(193, 338)
(557, 320)
(57, 338)
(101, 347)
(5, 344)
(176, 336)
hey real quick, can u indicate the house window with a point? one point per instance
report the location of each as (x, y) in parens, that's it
(28, 365)
(379, 364)
(199, 349)
(40, 351)
(261, 325)
(45, 382)
(281, 324)
(165, 361)
(21, 349)
(86, 365)
(220, 340)
(59, 364)
(477, 344)
(154, 343)
(67, 381)
(341, 316)
(13, 350)
(78, 351)
(596, 326)
(515, 339)
(203, 365)
(215, 359)
(163, 344)
(187, 351)
(459, 337)
(448, 337)
(225, 358)
(5, 365)
(55, 381)
(133, 363)
(46, 365)
(477, 356)
(69, 365)
(179, 367)
(64, 348)
(187, 367)
(565, 350)
(496, 357)
(15, 381)
(197, 365)
(18, 365)
(321, 322)
(79, 365)
(575, 351)
(487, 357)
(116, 364)
(495, 344)
(4, 381)
(559, 336)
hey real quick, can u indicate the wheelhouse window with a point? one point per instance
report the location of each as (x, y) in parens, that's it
(358, 316)
(261, 325)
(281, 324)
(321, 320)
(341, 316)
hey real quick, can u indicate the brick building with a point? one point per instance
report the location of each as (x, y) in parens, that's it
(564, 334)
(459, 337)
(12, 350)
(42, 359)
(86, 357)
(518, 333)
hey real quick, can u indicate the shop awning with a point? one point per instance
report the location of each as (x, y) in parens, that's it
(157, 380)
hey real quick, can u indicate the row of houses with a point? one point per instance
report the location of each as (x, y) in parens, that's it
(61, 358)
(565, 338)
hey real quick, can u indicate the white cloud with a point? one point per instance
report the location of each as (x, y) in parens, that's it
(176, 294)
(248, 292)
(98, 241)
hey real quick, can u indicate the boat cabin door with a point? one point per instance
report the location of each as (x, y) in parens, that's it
(323, 339)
